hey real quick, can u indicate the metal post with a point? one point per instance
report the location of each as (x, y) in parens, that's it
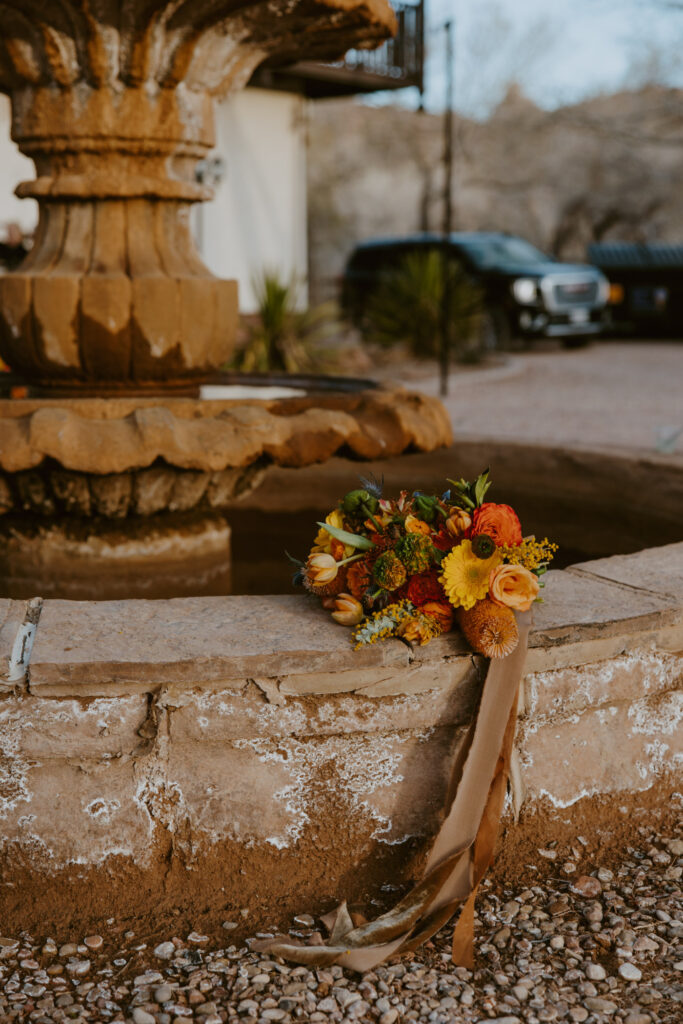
(447, 208)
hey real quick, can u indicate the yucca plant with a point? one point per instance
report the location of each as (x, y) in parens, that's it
(285, 338)
(407, 307)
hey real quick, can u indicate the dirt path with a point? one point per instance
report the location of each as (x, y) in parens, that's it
(623, 394)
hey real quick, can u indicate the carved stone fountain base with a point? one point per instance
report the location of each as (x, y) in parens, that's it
(127, 497)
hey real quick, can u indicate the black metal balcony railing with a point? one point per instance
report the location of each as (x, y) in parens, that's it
(400, 58)
(396, 64)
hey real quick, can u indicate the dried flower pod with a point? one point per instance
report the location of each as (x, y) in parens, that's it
(483, 546)
(359, 503)
(489, 628)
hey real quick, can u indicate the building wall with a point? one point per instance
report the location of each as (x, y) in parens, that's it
(257, 219)
(13, 168)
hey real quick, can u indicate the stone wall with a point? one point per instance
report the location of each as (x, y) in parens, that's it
(232, 752)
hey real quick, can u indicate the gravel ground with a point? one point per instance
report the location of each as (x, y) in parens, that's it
(621, 394)
(604, 946)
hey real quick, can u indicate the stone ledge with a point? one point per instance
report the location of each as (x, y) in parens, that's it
(658, 570)
(121, 647)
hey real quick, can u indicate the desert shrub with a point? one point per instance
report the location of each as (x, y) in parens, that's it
(407, 307)
(284, 337)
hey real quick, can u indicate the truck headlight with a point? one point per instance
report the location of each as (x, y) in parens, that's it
(524, 290)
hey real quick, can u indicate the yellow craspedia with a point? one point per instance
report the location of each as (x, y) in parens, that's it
(464, 577)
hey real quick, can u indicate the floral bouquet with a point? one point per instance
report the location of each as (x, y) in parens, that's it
(413, 567)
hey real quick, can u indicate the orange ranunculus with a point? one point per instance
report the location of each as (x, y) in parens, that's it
(441, 611)
(347, 611)
(499, 522)
(458, 522)
(513, 586)
(337, 550)
(415, 525)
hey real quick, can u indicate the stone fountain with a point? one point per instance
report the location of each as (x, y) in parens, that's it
(114, 322)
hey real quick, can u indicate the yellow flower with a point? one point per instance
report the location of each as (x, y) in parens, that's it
(347, 611)
(531, 553)
(464, 577)
(325, 540)
(419, 629)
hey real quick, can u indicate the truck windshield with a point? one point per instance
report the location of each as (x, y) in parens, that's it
(489, 252)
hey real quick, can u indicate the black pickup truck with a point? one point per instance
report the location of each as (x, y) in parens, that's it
(526, 293)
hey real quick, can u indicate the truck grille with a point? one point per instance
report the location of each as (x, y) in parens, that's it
(575, 293)
(564, 292)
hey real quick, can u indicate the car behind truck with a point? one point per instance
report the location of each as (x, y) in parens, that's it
(646, 287)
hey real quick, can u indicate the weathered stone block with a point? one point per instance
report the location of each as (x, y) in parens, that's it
(606, 750)
(623, 677)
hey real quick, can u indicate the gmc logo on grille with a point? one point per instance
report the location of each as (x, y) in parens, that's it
(576, 289)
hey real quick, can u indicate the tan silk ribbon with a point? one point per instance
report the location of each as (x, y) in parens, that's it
(462, 849)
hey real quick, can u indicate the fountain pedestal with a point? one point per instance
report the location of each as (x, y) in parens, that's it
(114, 103)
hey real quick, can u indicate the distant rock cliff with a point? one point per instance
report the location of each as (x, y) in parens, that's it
(607, 168)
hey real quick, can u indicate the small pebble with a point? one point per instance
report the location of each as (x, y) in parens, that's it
(164, 951)
(586, 885)
(141, 1016)
(630, 972)
(78, 968)
(595, 972)
(598, 1005)
(93, 942)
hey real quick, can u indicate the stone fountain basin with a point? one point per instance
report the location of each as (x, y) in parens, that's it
(130, 497)
(178, 762)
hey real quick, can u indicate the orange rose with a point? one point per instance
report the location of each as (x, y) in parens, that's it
(441, 612)
(513, 586)
(499, 522)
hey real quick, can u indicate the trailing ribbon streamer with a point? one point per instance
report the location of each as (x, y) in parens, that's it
(462, 849)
